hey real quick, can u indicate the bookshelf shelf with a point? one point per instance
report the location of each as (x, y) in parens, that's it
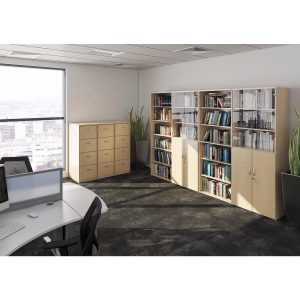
(184, 123)
(161, 177)
(161, 121)
(162, 135)
(160, 106)
(217, 126)
(254, 129)
(216, 144)
(216, 108)
(162, 149)
(216, 161)
(254, 109)
(215, 178)
(161, 163)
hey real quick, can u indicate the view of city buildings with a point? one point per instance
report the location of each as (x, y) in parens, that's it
(41, 140)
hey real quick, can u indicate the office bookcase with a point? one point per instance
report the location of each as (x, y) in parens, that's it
(215, 144)
(161, 136)
(240, 137)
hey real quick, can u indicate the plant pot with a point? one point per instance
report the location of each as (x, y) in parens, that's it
(141, 148)
(291, 196)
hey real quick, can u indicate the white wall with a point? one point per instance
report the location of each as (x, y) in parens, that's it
(279, 66)
(94, 93)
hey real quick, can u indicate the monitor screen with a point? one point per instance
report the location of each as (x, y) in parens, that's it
(3, 189)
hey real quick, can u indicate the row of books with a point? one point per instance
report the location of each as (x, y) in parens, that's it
(162, 100)
(217, 136)
(188, 132)
(163, 156)
(256, 140)
(216, 170)
(188, 99)
(162, 171)
(217, 153)
(218, 118)
(216, 188)
(217, 100)
(187, 117)
(162, 114)
(257, 99)
(162, 143)
(161, 129)
(258, 119)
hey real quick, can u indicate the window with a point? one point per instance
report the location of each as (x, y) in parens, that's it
(32, 115)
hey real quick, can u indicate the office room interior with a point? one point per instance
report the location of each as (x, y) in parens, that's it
(205, 164)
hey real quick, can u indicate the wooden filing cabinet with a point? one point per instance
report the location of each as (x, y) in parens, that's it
(122, 148)
(98, 150)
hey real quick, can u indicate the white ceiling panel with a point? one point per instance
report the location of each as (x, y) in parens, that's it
(140, 56)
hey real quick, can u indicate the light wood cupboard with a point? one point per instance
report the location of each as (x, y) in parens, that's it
(98, 150)
(235, 151)
(185, 163)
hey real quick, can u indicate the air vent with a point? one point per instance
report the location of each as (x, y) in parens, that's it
(22, 54)
(125, 66)
(194, 50)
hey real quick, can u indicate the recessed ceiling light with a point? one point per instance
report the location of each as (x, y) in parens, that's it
(194, 50)
(112, 53)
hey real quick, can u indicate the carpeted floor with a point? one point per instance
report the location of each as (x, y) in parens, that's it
(148, 216)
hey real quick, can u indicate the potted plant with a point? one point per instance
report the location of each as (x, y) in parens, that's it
(139, 136)
(291, 179)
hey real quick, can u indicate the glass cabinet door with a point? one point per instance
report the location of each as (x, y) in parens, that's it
(185, 115)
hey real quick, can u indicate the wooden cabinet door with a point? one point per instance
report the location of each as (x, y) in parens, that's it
(191, 158)
(242, 177)
(264, 183)
(177, 160)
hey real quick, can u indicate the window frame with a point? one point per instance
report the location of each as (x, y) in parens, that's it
(64, 106)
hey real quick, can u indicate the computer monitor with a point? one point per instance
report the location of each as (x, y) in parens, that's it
(4, 204)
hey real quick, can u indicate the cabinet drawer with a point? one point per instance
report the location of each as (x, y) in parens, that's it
(88, 173)
(106, 156)
(89, 145)
(122, 129)
(87, 132)
(122, 141)
(122, 153)
(106, 169)
(88, 158)
(106, 143)
(105, 130)
(122, 166)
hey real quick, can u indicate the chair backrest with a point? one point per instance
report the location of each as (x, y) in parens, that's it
(16, 165)
(88, 227)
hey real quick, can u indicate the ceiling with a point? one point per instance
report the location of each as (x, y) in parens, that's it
(129, 56)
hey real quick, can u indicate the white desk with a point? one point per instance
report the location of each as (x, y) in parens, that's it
(71, 209)
(80, 198)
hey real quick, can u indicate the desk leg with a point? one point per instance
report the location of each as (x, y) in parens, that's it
(64, 232)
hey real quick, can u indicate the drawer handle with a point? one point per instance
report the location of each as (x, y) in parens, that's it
(106, 141)
(106, 153)
(106, 166)
(87, 156)
(89, 170)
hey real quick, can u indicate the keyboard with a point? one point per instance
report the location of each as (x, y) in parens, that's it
(9, 229)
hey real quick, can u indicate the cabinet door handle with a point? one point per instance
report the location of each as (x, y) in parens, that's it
(250, 171)
(254, 172)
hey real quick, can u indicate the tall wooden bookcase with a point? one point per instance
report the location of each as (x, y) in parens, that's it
(161, 136)
(236, 150)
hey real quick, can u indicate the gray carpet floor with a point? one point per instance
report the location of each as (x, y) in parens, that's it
(148, 216)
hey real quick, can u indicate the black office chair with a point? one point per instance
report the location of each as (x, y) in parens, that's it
(16, 165)
(88, 239)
